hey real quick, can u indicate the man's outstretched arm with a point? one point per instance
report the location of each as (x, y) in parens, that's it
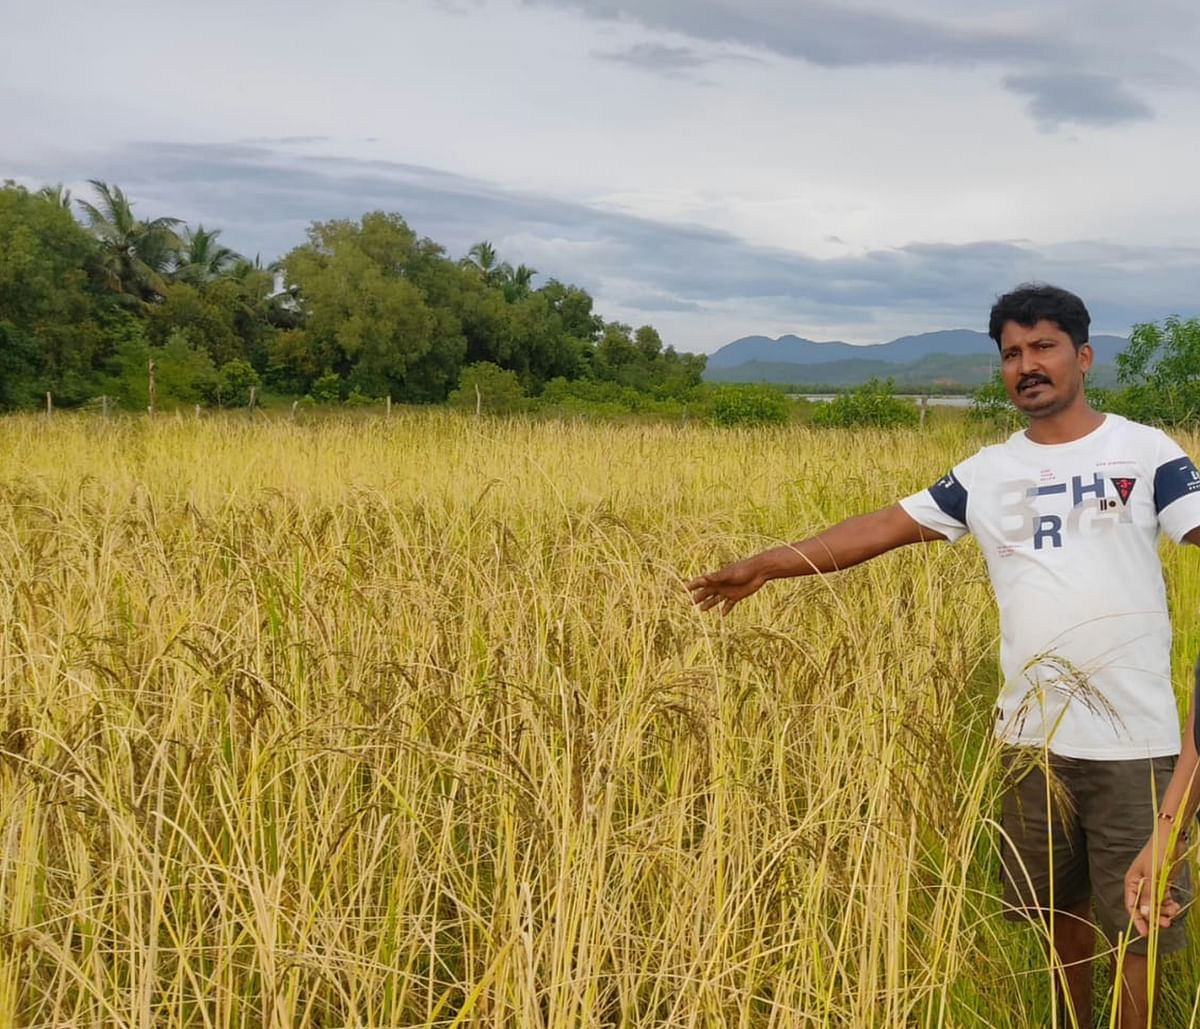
(844, 545)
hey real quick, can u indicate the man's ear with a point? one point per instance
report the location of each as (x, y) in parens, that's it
(1086, 355)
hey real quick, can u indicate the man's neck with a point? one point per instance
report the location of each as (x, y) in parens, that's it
(1066, 426)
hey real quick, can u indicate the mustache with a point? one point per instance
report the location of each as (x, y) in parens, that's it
(1032, 380)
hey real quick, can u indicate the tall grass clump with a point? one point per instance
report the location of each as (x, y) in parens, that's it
(409, 722)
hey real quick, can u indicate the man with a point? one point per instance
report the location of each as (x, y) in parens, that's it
(1067, 514)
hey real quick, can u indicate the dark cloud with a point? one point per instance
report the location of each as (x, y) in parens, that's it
(662, 60)
(1058, 97)
(1057, 75)
(826, 34)
(263, 199)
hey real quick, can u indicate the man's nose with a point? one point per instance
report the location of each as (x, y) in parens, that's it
(1028, 361)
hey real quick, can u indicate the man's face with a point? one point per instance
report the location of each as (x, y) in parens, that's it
(1042, 370)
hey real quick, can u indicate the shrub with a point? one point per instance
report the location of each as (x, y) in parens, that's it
(234, 382)
(183, 374)
(327, 389)
(358, 398)
(871, 405)
(990, 403)
(748, 405)
(488, 387)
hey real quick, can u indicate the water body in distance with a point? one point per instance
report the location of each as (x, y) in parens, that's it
(945, 401)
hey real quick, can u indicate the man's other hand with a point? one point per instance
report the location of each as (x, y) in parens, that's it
(1142, 887)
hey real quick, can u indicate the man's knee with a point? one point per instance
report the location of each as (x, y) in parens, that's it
(1073, 933)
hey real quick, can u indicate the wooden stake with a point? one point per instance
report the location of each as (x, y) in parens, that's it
(49, 404)
(153, 392)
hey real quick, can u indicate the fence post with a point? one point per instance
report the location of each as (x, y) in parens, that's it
(49, 404)
(253, 397)
(104, 406)
(478, 400)
(389, 406)
(295, 404)
(152, 389)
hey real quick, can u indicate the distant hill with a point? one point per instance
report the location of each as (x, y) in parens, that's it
(952, 357)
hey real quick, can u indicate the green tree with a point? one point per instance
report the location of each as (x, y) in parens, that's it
(201, 258)
(481, 258)
(648, 342)
(20, 368)
(206, 316)
(296, 360)
(516, 283)
(50, 314)
(364, 311)
(135, 256)
(486, 322)
(617, 358)
(677, 375)
(57, 194)
(1160, 370)
(574, 307)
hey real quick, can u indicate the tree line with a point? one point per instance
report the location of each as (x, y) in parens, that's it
(90, 293)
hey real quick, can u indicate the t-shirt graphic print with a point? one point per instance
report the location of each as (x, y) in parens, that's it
(1070, 535)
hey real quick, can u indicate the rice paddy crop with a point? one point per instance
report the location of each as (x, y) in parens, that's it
(409, 722)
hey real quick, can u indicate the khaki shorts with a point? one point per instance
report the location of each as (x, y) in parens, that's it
(1099, 816)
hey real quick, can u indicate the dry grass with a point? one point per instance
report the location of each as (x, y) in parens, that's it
(409, 722)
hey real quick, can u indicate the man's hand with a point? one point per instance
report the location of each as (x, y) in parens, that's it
(841, 546)
(728, 585)
(1143, 880)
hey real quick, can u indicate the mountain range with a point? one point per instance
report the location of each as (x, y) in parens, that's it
(952, 357)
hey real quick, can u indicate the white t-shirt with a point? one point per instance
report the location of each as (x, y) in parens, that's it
(1070, 533)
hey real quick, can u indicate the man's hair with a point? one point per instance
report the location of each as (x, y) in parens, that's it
(1033, 302)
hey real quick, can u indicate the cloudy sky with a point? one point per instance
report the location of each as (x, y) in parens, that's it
(714, 167)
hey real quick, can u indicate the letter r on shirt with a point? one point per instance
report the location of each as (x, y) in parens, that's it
(1047, 527)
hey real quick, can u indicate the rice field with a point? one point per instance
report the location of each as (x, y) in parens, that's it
(409, 721)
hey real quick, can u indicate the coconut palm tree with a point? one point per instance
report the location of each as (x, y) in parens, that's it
(57, 194)
(136, 255)
(482, 256)
(518, 282)
(202, 258)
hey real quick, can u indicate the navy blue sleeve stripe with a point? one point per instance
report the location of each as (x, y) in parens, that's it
(951, 496)
(1175, 479)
